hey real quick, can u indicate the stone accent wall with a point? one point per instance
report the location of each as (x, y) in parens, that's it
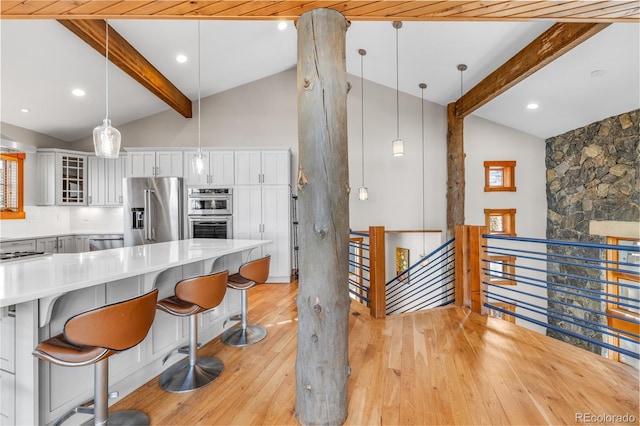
(592, 174)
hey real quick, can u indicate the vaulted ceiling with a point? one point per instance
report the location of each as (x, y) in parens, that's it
(503, 42)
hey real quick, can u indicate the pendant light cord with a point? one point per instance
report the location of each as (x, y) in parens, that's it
(362, 110)
(106, 68)
(397, 89)
(424, 249)
(199, 100)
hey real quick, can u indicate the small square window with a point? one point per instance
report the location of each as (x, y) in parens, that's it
(499, 176)
(500, 221)
(501, 270)
(494, 313)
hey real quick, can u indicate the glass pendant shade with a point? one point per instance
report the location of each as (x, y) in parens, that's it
(397, 146)
(197, 163)
(106, 140)
(363, 193)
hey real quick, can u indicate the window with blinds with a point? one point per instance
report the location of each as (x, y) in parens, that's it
(11, 185)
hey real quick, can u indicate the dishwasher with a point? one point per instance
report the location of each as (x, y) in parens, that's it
(105, 241)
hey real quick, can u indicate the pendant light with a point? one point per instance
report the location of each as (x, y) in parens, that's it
(197, 162)
(363, 192)
(106, 139)
(423, 86)
(397, 145)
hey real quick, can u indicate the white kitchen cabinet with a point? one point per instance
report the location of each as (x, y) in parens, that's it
(7, 398)
(218, 168)
(47, 245)
(71, 188)
(262, 212)
(105, 181)
(67, 244)
(81, 244)
(270, 167)
(21, 245)
(46, 178)
(154, 163)
(7, 365)
(62, 178)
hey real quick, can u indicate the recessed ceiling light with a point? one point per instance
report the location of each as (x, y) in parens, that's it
(78, 92)
(598, 73)
(181, 58)
(532, 105)
(24, 110)
(282, 25)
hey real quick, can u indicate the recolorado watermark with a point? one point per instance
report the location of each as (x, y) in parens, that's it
(605, 418)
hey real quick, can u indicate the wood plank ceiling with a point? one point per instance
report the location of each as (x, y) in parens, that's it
(452, 10)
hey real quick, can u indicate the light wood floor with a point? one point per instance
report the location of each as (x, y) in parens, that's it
(443, 366)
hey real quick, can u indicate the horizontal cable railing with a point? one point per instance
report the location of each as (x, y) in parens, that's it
(359, 262)
(586, 294)
(427, 284)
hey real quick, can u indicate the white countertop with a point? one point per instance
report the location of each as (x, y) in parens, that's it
(31, 279)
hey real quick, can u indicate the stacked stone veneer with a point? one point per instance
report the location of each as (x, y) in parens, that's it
(592, 174)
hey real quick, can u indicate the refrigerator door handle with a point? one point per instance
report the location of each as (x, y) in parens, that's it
(149, 223)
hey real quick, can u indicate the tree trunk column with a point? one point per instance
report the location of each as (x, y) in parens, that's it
(322, 364)
(455, 169)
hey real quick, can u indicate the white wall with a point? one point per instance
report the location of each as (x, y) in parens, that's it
(487, 141)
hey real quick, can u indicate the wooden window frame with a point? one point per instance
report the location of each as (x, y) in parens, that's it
(508, 221)
(508, 169)
(19, 159)
(508, 268)
(612, 305)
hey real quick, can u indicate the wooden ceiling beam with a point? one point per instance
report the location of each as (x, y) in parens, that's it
(550, 45)
(127, 58)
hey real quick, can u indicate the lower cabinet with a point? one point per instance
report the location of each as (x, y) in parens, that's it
(7, 366)
(67, 244)
(47, 245)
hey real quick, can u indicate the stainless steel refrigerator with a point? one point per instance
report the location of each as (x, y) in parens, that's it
(153, 210)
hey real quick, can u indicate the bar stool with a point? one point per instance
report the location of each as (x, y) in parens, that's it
(192, 296)
(91, 338)
(250, 274)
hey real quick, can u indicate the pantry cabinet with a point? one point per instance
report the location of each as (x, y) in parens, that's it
(105, 181)
(269, 167)
(218, 168)
(154, 163)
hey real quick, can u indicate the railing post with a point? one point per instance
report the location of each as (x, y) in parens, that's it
(377, 273)
(462, 265)
(469, 267)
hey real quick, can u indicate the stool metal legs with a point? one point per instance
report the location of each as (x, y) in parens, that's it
(243, 335)
(193, 372)
(100, 410)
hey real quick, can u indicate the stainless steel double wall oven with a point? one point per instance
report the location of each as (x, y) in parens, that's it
(209, 211)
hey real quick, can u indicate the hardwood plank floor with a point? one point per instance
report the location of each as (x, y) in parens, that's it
(444, 366)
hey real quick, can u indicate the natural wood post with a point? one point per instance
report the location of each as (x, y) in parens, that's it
(455, 169)
(469, 268)
(377, 272)
(462, 266)
(322, 364)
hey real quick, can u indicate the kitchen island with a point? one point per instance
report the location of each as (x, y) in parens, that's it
(38, 295)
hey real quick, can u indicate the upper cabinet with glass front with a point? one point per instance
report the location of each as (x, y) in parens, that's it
(62, 177)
